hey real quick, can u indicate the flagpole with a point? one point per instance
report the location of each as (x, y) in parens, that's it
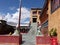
(19, 16)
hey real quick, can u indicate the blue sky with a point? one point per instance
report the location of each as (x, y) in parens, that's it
(10, 8)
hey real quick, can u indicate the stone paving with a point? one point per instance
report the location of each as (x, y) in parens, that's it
(27, 40)
(30, 37)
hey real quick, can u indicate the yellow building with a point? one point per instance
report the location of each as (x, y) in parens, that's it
(54, 16)
(35, 14)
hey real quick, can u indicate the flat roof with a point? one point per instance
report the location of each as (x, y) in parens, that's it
(36, 8)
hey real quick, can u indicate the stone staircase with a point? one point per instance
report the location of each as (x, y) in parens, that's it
(30, 37)
(33, 29)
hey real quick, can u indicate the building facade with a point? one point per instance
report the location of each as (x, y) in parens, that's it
(34, 20)
(54, 16)
(35, 14)
(50, 17)
(44, 19)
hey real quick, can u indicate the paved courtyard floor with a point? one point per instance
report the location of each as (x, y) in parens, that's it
(27, 39)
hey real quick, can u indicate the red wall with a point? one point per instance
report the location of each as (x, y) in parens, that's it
(11, 40)
(44, 15)
(43, 18)
(42, 40)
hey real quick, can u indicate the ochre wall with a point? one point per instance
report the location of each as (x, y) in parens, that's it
(54, 20)
(37, 14)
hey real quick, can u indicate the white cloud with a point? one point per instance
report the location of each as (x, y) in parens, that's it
(25, 14)
(27, 21)
(7, 17)
(1, 17)
(11, 8)
(14, 17)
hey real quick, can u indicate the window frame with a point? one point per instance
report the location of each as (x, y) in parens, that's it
(52, 3)
(34, 12)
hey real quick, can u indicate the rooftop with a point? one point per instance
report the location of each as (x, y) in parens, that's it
(36, 8)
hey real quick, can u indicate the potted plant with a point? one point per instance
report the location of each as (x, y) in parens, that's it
(53, 32)
(53, 35)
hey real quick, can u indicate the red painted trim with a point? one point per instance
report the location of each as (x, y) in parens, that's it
(54, 41)
(42, 40)
(10, 39)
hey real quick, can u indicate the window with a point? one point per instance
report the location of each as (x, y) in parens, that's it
(39, 12)
(53, 1)
(59, 2)
(54, 5)
(34, 12)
